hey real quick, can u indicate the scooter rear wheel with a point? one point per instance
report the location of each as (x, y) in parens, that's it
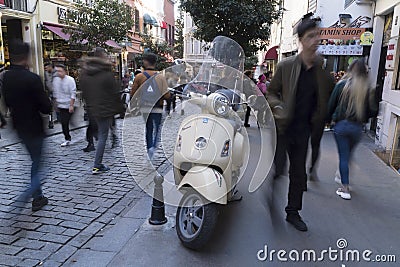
(195, 220)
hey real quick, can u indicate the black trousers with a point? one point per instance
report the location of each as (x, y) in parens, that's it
(246, 118)
(91, 131)
(316, 137)
(296, 146)
(65, 118)
(280, 157)
(2, 119)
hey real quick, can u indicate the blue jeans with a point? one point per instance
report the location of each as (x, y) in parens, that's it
(103, 126)
(347, 135)
(34, 146)
(153, 123)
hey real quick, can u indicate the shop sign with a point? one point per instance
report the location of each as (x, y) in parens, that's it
(62, 14)
(341, 33)
(367, 38)
(341, 50)
(391, 52)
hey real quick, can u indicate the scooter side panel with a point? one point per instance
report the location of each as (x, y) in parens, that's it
(208, 182)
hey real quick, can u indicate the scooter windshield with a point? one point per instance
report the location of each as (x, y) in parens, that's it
(222, 68)
(176, 127)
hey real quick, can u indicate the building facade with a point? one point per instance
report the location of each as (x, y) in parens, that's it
(19, 19)
(385, 55)
(194, 50)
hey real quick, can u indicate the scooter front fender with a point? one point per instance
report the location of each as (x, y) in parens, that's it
(207, 182)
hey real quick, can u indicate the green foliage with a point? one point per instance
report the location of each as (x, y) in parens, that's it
(245, 21)
(105, 20)
(160, 48)
(250, 62)
(179, 41)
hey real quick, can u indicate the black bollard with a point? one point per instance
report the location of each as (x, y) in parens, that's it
(158, 208)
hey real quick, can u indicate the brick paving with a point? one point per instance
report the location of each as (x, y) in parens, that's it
(81, 205)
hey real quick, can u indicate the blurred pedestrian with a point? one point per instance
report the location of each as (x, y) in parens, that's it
(248, 88)
(49, 74)
(64, 90)
(101, 94)
(298, 95)
(3, 121)
(25, 96)
(125, 81)
(261, 84)
(268, 78)
(152, 90)
(352, 103)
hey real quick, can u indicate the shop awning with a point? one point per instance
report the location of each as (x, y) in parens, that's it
(113, 44)
(133, 50)
(58, 30)
(148, 19)
(272, 54)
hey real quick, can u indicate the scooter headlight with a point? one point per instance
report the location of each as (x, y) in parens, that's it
(221, 105)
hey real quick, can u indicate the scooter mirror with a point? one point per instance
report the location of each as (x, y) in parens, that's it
(251, 100)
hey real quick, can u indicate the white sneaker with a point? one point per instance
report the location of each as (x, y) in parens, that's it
(343, 194)
(339, 180)
(66, 143)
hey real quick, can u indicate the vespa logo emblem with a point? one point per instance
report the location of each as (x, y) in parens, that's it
(201, 143)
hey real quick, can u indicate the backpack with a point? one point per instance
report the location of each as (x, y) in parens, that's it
(149, 92)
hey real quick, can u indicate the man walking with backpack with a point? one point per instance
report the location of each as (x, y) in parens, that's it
(151, 90)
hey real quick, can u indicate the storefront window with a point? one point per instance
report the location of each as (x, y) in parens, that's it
(395, 156)
(387, 29)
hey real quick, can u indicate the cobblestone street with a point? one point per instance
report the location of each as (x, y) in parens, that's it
(81, 205)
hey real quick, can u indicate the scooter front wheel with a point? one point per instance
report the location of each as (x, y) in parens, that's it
(195, 220)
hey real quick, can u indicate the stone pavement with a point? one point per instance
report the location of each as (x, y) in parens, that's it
(81, 205)
(368, 221)
(9, 137)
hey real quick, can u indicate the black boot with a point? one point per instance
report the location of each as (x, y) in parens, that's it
(90, 147)
(39, 203)
(295, 220)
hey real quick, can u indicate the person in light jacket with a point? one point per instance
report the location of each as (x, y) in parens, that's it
(64, 90)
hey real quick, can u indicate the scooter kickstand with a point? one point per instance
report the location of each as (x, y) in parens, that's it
(235, 196)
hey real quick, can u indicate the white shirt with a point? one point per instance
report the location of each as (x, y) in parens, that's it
(64, 90)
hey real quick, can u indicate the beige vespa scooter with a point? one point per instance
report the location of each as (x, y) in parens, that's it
(211, 146)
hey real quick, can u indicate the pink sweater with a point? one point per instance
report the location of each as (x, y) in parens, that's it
(262, 87)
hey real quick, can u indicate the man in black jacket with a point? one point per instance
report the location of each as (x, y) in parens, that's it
(25, 96)
(101, 95)
(298, 95)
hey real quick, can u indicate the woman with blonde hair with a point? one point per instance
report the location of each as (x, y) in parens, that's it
(351, 104)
